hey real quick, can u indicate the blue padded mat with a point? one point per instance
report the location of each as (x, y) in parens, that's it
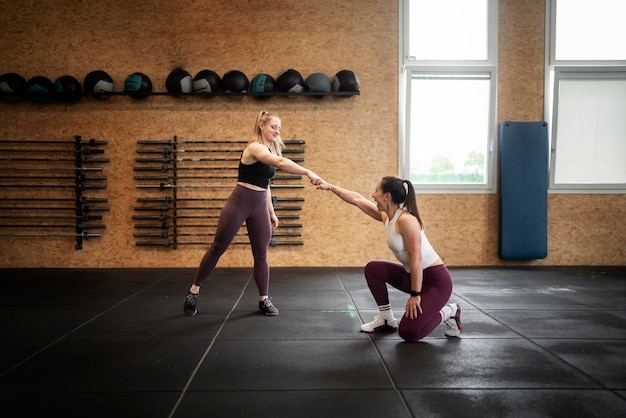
(523, 190)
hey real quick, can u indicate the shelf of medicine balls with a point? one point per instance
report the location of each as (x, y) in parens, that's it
(235, 83)
(184, 184)
(53, 189)
(229, 94)
(179, 83)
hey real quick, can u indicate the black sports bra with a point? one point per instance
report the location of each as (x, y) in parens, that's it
(258, 173)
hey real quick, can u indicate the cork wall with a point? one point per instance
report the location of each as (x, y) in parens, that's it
(349, 141)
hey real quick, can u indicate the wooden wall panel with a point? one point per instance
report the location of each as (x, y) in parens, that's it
(521, 45)
(349, 141)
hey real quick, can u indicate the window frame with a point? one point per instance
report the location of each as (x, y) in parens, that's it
(592, 70)
(410, 66)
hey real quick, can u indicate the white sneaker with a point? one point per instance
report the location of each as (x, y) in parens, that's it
(380, 323)
(454, 327)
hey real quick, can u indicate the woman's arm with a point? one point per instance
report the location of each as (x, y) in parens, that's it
(270, 209)
(408, 226)
(353, 198)
(261, 153)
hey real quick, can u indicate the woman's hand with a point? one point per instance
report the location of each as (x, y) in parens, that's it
(413, 307)
(323, 185)
(274, 220)
(315, 179)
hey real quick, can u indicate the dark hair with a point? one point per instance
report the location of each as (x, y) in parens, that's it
(402, 193)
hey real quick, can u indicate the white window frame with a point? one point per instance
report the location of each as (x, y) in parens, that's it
(409, 66)
(570, 69)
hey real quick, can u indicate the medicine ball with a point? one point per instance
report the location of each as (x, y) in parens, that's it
(39, 89)
(206, 81)
(138, 86)
(97, 84)
(263, 83)
(235, 82)
(12, 87)
(346, 81)
(67, 89)
(290, 81)
(318, 83)
(179, 81)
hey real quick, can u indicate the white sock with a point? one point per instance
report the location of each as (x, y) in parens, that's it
(385, 311)
(448, 311)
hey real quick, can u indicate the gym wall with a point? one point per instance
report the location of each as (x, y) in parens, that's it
(349, 141)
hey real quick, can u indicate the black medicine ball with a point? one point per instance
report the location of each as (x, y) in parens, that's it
(179, 81)
(206, 81)
(12, 87)
(67, 89)
(97, 84)
(263, 83)
(138, 86)
(290, 81)
(318, 83)
(39, 89)
(235, 82)
(346, 81)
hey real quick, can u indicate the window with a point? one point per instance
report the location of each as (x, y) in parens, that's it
(448, 95)
(586, 100)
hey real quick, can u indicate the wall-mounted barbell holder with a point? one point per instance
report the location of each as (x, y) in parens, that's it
(186, 170)
(29, 167)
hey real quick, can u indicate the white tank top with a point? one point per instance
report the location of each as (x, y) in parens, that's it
(396, 245)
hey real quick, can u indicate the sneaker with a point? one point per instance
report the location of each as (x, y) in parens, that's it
(267, 307)
(453, 324)
(380, 323)
(190, 304)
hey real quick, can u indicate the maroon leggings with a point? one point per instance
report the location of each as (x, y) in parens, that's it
(243, 205)
(436, 291)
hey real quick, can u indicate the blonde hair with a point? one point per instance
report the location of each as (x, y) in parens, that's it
(263, 118)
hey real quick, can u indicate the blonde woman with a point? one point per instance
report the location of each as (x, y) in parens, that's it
(251, 202)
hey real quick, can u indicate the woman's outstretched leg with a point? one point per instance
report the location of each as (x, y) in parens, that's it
(231, 218)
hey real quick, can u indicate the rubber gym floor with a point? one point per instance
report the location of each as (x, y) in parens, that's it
(537, 342)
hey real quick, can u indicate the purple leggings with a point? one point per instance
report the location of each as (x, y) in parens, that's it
(243, 205)
(436, 291)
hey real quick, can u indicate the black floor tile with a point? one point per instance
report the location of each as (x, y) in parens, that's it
(290, 365)
(522, 403)
(84, 366)
(603, 360)
(300, 300)
(537, 342)
(131, 404)
(570, 324)
(519, 299)
(293, 325)
(479, 364)
(290, 404)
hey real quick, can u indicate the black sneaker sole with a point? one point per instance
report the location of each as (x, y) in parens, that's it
(382, 328)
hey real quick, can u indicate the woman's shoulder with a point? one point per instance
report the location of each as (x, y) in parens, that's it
(254, 145)
(254, 149)
(407, 219)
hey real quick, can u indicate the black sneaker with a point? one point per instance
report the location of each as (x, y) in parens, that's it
(267, 308)
(190, 304)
